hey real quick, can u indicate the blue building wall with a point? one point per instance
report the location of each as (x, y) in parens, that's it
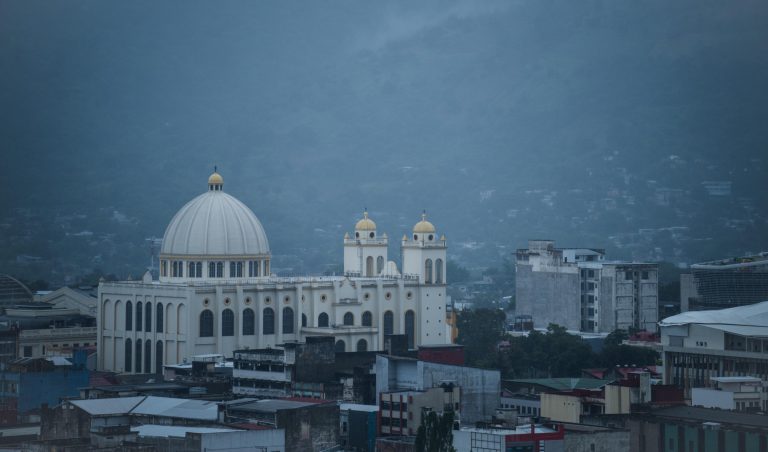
(37, 388)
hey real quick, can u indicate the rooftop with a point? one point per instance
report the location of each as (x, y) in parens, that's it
(734, 262)
(699, 414)
(150, 406)
(749, 320)
(563, 384)
(169, 431)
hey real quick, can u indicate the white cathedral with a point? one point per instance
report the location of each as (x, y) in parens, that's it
(216, 294)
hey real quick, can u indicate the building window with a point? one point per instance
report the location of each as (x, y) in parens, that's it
(195, 270)
(428, 271)
(249, 322)
(206, 323)
(349, 319)
(235, 269)
(340, 346)
(439, 271)
(148, 315)
(253, 269)
(27, 351)
(227, 323)
(389, 323)
(164, 268)
(159, 318)
(362, 345)
(367, 318)
(287, 321)
(379, 264)
(139, 312)
(304, 320)
(139, 351)
(268, 320)
(128, 316)
(215, 269)
(178, 269)
(159, 357)
(410, 327)
(369, 266)
(148, 356)
(322, 320)
(128, 351)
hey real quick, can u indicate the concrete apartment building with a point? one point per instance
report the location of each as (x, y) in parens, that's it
(578, 289)
(699, 346)
(732, 393)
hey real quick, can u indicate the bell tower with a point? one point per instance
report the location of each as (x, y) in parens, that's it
(365, 253)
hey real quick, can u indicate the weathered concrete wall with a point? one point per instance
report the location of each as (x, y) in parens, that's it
(548, 296)
(605, 441)
(311, 428)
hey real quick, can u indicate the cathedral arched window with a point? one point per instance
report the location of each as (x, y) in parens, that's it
(389, 323)
(219, 269)
(268, 321)
(147, 357)
(349, 319)
(159, 357)
(206, 323)
(438, 271)
(139, 352)
(304, 320)
(211, 269)
(139, 316)
(428, 271)
(159, 318)
(367, 318)
(249, 322)
(128, 315)
(287, 321)
(227, 323)
(235, 269)
(362, 345)
(198, 269)
(410, 327)
(322, 320)
(191, 270)
(379, 264)
(128, 351)
(340, 346)
(148, 317)
(369, 266)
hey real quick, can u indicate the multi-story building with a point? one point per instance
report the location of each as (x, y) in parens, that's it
(725, 283)
(45, 330)
(480, 388)
(699, 346)
(216, 292)
(578, 289)
(732, 393)
(402, 412)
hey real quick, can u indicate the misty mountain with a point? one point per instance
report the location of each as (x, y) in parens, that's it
(595, 123)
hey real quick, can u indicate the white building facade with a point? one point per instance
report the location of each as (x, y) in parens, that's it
(216, 294)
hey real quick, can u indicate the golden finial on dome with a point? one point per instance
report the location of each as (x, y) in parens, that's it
(346, 236)
(366, 224)
(424, 226)
(215, 181)
(442, 237)
(405, 238)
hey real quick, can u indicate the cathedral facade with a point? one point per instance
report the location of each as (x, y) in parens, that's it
(216, 293)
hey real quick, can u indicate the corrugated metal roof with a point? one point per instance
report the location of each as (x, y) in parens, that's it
(104, 407)
(178, 408)
(180, 431)
(358, 407)
(750, 315)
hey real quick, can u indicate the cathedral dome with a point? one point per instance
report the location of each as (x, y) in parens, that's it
(365, 224)
(215, 224)
(424, 226)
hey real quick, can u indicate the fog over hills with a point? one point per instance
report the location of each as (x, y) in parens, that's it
(595, 123)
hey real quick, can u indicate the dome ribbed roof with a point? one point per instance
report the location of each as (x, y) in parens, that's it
(215, 224)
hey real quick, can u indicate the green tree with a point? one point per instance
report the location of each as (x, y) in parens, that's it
(435, 434)
(480, 332)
